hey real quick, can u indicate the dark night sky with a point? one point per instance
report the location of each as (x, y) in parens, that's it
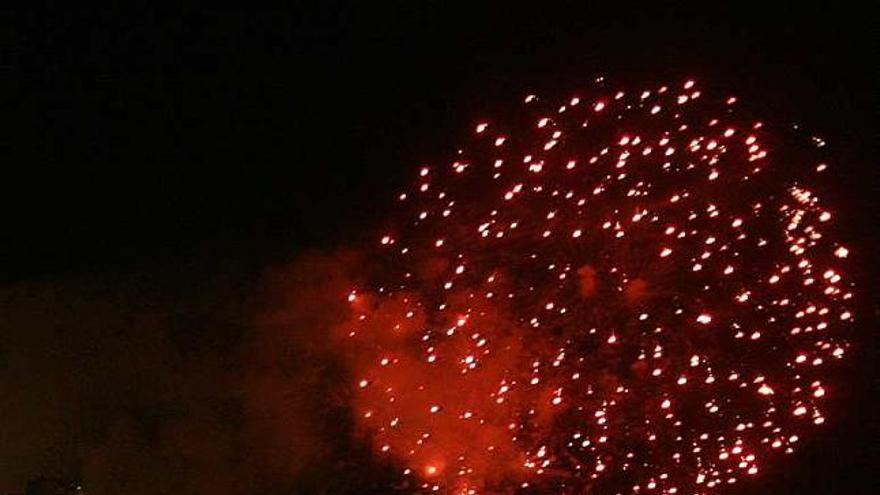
(163, 160)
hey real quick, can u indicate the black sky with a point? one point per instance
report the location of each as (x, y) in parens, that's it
(157, 152)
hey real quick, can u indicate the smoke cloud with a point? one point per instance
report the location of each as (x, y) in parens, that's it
(185, 384)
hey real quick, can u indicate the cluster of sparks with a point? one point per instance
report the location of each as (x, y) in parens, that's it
(625, 293)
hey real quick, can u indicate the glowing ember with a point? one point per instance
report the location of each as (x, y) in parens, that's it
(619, 296)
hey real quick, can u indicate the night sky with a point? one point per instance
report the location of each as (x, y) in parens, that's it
(181, 183)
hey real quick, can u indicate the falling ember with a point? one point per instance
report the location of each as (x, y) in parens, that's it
(633, 295)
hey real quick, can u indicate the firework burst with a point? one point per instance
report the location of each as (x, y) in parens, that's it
(628, 292)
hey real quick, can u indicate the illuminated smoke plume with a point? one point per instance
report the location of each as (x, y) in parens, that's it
(625, 292)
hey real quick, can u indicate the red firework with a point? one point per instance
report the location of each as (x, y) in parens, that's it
(626, 293)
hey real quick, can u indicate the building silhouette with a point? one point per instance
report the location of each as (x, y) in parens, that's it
(52, 486)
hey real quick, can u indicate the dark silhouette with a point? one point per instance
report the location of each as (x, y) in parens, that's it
(52, 486)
